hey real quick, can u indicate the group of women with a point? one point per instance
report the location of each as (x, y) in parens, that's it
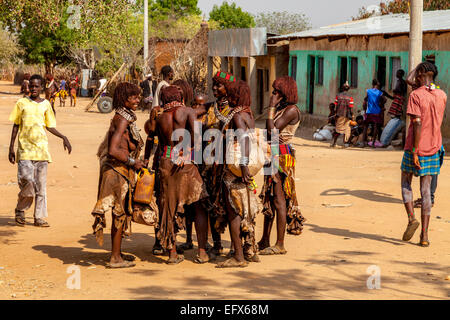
(229, 199)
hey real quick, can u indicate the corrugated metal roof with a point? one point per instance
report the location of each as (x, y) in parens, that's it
(387, 24)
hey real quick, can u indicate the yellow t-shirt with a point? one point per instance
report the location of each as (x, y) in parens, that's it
(32, 118)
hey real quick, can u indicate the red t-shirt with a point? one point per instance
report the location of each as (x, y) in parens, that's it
(429, 105)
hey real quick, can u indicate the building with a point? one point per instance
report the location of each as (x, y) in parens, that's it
(322, 59)
(245, 53)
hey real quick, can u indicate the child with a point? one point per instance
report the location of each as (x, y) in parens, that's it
(31, 116)
(356, 130)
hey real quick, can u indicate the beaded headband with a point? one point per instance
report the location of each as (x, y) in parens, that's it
(225, 75)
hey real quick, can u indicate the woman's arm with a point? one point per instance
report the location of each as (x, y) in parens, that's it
(116, 151)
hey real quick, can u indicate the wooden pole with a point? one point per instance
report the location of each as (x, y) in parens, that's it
(89, 106)
(415, 41)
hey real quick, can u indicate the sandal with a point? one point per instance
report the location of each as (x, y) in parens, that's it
(177, 260)
(185, 246)
(158, 250)
(262, 246)
(211, 257)
(120, 265)
(424, 243)
(128, 257)
(20, 221)
(230, 253)
(41, 223)
(410, 229)
(254, 258)
(232, 263)
(269, 251)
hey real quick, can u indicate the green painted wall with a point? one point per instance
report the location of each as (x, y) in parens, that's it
(367, 60)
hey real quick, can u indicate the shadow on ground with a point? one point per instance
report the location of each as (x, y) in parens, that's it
(363, 194)
(354, 235)
(8, 229)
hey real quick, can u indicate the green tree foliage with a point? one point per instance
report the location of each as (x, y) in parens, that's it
(401, 6)
(172, 9)
(47, 46)
(231, 16)
(43, 30)
(283, 22)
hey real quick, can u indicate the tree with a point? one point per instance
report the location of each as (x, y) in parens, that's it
(9, 48)
(47, 46)
(230, 16)
(51, 30)
(174, 9)
(401, 6)
(283, 22)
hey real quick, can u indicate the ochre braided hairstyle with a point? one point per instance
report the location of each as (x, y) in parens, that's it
(170, 94)
(187, 91)
(123, 92)
(288, 88)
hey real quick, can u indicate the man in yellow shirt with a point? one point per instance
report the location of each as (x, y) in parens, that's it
(31, 116)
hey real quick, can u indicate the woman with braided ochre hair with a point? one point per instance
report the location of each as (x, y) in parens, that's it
(119, 161)
(278, 193)
(236, 205)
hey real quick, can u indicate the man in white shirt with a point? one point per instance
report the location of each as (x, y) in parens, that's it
(168, 74)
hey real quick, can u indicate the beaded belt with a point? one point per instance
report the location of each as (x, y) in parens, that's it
(168, 153)
(281, 149)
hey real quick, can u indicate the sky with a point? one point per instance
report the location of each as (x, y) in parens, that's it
(321, 12)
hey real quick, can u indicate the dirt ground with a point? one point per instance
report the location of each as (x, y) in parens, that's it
(330, 260)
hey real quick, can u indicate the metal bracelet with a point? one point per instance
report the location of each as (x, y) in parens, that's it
(272, 112)
(131, 162)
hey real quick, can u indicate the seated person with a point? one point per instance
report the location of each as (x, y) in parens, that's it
(356, 130)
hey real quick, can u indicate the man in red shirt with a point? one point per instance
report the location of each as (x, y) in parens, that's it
(424, 152)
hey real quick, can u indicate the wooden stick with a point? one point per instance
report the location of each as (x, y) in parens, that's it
(89, 106)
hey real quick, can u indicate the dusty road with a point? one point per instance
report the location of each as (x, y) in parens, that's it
(328, 261)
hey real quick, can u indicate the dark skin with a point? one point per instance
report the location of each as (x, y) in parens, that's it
(241, 121)
(200, 100)
(400, 87)
(35, 90)
(163, 127)
(278, 204)
(120, 148)
(420, 79)
(73, 92)
(50, 93)
(336, 135)
(376, 126)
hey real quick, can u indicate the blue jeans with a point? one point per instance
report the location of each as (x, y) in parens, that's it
(393, 127)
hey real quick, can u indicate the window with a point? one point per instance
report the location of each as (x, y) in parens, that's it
(320, 70)
(243, 74)
(294, 67)
(395, 66)
(354, 73)
(267, 79)
(381, 71)
(343, 71)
